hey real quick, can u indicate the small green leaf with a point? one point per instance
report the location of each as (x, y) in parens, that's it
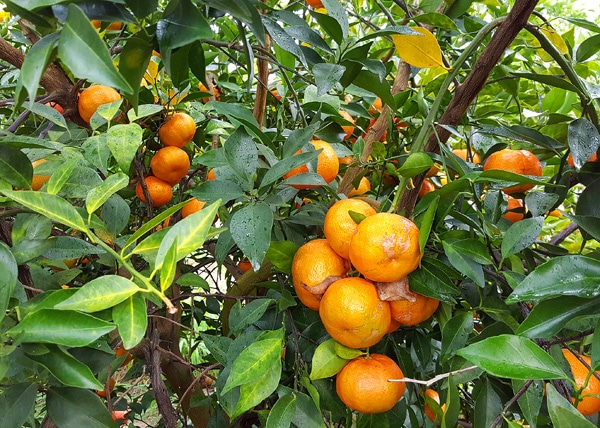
(455, 334)
(213, 190)
(76, 407)
(60, 176)
(17, 403)
(168, 267)
(282, 413)
(279, 169)
(241, 317)
(415, 164)
(218, 346)
(251, 230)
(123, 140)
(562, 413)
(326, 362)
(521, 235)
(100, 293)
(99, 195)
(345, 352)
(281, 254)
(531, 401)
(131, 319)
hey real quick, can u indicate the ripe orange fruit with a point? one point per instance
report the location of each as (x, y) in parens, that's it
(346, 160)
(339, 227)
(376, 107)
(211, 174)
(275, 93)
(462, 153)
(315, 267)
(55, 106)
(414, 312)
(385, 247)
(245, 265)
(93, 97)
(363, 187)
(517, 161)
(178, 130)
(315, 3)
(113, 26)
(426, 187)
(38, 180)
(433, 394)
(328, 165)
(592, 158)
(160, 191)
(216, 92)
(348, 129)
(589, 404)
(363, 384)
(170, 164)
(353, 314)
(194, 205)
(111, 386)
(514, 204)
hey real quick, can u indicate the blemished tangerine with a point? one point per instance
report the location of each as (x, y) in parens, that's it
(193, 206)
(588, 404)
(315, 267)
(363, 384)
(514, 210)
(363, 187)
(178, 130)
(353, 314)
(160, 191)
(38, 180)
(170, 164)
(348, 129)
(328, 165)
(517, 161)
(412, 312)
(339, 227)
(93, 97)
(385, 247)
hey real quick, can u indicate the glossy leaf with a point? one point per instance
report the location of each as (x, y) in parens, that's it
(66, 369)
(562, 413)
(251, 230)
(281, 254)
(531, 401)
(437, 20)
(82, 50)
(244, 316)
(76, 407)
(434, 279)
(307, 413)
(213, 190)
(279, 169)
(488, 405)
(521, 235)
(253, 393)
(455, 334)
(9, 272)
(548, 80)
(123, 140)
(327, 76)
(297, 139)
(583, 139)
(242, 155)
(588, 48)
(15, 167)
(100, 293)
(561, 276)
(421, 51)
(326, 362)
(284, 40)
(131, 319)
(99, 195)
(243, 10)
(512, 357)
(282, 413)
(36, 61)
(17, 403)
(60, 176)
(415, 164)
(68, 328)
(464, 263)
(52, 206)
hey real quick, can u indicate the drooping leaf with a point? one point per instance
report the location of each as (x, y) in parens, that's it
(250, 228)
(131, 319)
(419, 51)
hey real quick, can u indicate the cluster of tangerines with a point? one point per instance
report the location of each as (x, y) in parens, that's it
(359, 308)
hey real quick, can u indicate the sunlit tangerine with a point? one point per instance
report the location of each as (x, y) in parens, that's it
(514, 210)
(93, 97)
(364, 186)
(414, 311)
(339, 227)
(363, 384)
(315, 267)
(170, 164)
(178, 130)
(353, 314)
(160, 191)
(328, 165)
(589, 404)
(38, 180)
(348, 129)
(193, 206)
(385, 247)
(517, 161)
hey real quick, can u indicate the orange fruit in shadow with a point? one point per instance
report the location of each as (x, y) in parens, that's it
(588, 404)
(113, 26)
(193, 206)
(517, 161)
(363, 384)
(315, 267)
(244, 265)
(38, 180)
(93, 97)
(385, 247)
(592, 158)
(412, 312)
(178, 130)
(339, 227)
(348, 129)
(160, 191)
(111, 386)
(363, 187)
(433, 394)
(383, 137)
(315, 3)
(514, 204)
(328, 165)
(170, 164)
(353, 314)
(202, 87)
(426, 187)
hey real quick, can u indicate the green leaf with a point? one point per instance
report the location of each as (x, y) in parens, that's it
(281, 254)
(415, 164)
(279, 169)
(99, 195)
(168, 267)
(282, 413)
(251, 230)
(70, 247)
(52, 206)
(562, 413)
(35, 63)
(60, 176)
(123, 140)
(66, 369)
(299, 28)
(217, 346)
(338, 12)
(284, 40)
(131, 319)
(326, 362)
(512, 357)
(96, 152)
(327, 76)
(82, 50)
(595, 354)
(100, 293)
(76, 408)
(371, 82)
(68, 328)
(547, 79)
(213, 190)
(307, 414)
(9, 272)
(133, 62)
(243, 10)
(583, 139)
(15, 167)
(588, 48)
(425, 222)
(254, 393)
(297, 139)
(473, 249)
(488, 404)
(521, 235)
(455, 334)
(560, 276)
(437, 20)
(434, 279)
(530, 402)
(242, 155)
(463, 263)
(17, 403)
(241, 317)
(345, 352)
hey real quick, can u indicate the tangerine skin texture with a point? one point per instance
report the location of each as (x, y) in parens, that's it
(363, 384)
(178, 130)
(517, 161)
(410, 313)
(353, 314)
(385, 247)
(339, 227)
(590, 404)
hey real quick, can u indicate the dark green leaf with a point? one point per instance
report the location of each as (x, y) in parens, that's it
(8, 272)
(425, 222)
(123, 140)
(70, 247)
(455, 334)
(35, 63)
(434, 279)
(437, 20)
(595, 354)
(488, 405)
(241, 317)
(15, 167)
(588, 48)
(242, 154)
(327, 76)
(16, 403)
(243, 10)
(371, 82)
(76, 408)
(299, 29)
(279, 169)
(131, 319)
(284, 40)
(213, 190)
(60, 176)
(307, 414)
(66, 369)
(251, 230)
(531, 401)
(521, 235)
(133, 62)
(539, 203)
(281, 254)
(463, 263)
(217, 346)
(583, 139)
(338, 12)
(547, 79)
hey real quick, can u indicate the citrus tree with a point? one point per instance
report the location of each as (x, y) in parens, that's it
(286, 213)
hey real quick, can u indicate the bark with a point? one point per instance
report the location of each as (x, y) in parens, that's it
(260, 103)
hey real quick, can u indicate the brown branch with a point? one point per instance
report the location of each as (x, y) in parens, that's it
(260, 103)
(161, 393)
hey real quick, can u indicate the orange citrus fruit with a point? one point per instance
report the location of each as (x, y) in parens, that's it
(93, 97)
(194, 205)
(363, 187)
(339, 227)
(517, 206)
(202, 87)
(363, 384)
(178, 130)
(113, 26)
(160, 191)
(376, 107)
(353, 314)
(211, 174)
(592, 158)
(315, 3)
(383, 137)
(408, 313)
(38, 180)
(245, 265)
(433, 394)
(346, 160)
(328, 165)
(315, 267)
(426, 187)
(588, 404)
(385, 247)
(348, 129)
(111, 386)
(517, 161)
(462, 153)
(170, 164)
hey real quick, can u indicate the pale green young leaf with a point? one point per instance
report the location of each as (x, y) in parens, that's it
(99, 195)
(100, 293)
(169, 267)
(131, 319)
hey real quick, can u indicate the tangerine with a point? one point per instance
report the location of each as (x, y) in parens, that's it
(385, 247)
(589, 404)
(315, 3)
(160, 191)
(514, 210)
(113, 26)
(93, 97)
(193, 206)
(363, 384)
(348, 129)
(178, 130)
(426, 187)
(592, 158)
(462, 153)
(170, 164)
(211, 174)
(217, 94)
(516, 161)
(376, 107)
(340, 227)
(328, 165)
(363, 187)
(429, 412)
(38, 180)
(353, 314)
(413, 310)
(245, 265)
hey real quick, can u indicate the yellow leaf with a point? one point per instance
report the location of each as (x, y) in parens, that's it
(419, 51)
(554, 38)
(151, 73)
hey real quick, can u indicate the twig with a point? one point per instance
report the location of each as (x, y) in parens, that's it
(562, 235)
(434, 379)
(512, 401)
